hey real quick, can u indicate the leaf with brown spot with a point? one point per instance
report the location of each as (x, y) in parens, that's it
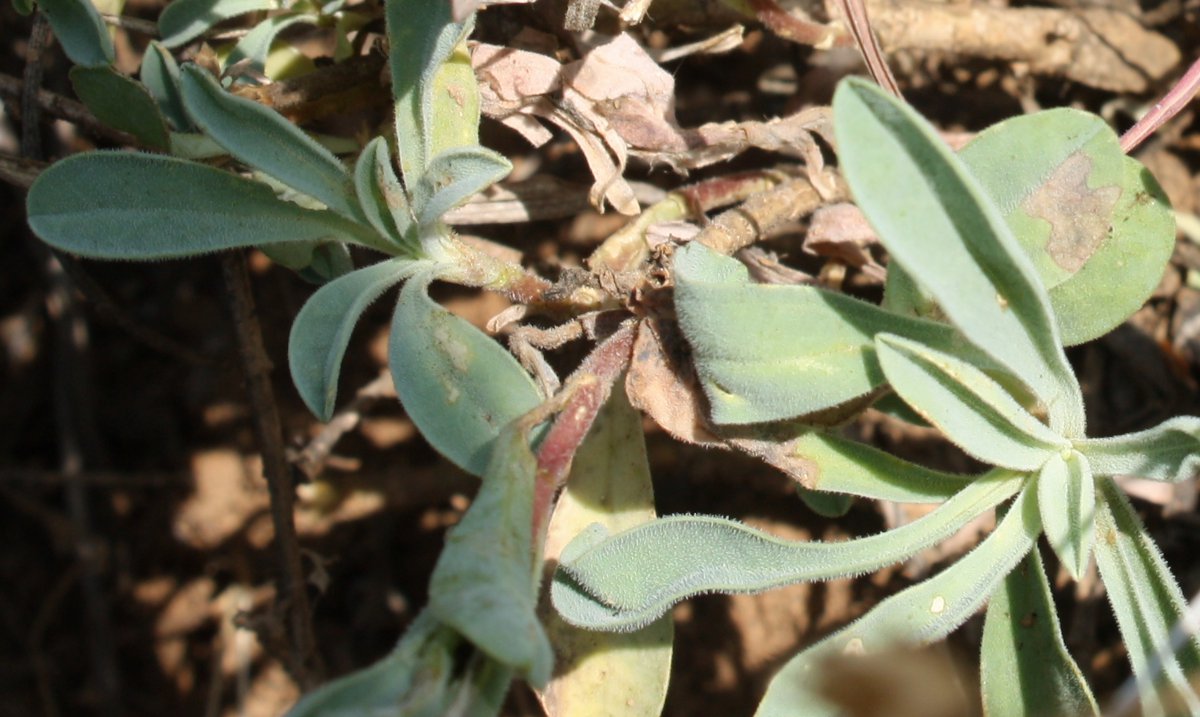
(1095, 223)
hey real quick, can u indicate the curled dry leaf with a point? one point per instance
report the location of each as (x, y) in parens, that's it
(662, 383)
(841, 232)
(617, 102)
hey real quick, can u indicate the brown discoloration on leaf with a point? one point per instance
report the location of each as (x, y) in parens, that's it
(662, 383)
(1078, 214)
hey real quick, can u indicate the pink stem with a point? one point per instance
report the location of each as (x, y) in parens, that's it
(1166, 108)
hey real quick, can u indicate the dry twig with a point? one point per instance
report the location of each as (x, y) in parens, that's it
(304, 662)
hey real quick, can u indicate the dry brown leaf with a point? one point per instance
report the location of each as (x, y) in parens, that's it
(617, 102)
(662, 383)
(841, 232)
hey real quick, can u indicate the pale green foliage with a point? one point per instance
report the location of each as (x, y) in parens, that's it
(959, 254)
(1029, 672)
(80, 30)
(122, 103)
(609, 485)
(180, 208)
(634, 577)
(999, 256)
(160, 74)
(261, 138)
(972, 410)
(184, 20)
(485, 582)
(456, 383)
(754, 372)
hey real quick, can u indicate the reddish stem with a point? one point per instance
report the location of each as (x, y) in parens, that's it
(1166, 108)
(588, 389)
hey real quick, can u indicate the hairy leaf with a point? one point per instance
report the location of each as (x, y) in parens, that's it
(184, 20)
(1025, 668)
(255, 46)
(121, 103)
(629, 579)
(423, 36)
(160, 74)
(1147, 603)
(943, 230)
(920, 614)
(1067, 501)
(597, 672)
(80, 30)
(123, 205)
(424, 676)
(484, 583)
(457, 384)
(972, 410)
(1169, 452)
(1083, 212)
(839, 465)
(380, 196)
(769, 352)
(453, 177)
(323, 327)
(263, 139)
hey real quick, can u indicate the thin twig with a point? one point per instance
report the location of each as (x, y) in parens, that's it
(19, 171)
(305, 662)
(72, 405)
(740, 227)
(62, 108)
(142, 27)
(855, 12)
(312, 459)
(1170, 105)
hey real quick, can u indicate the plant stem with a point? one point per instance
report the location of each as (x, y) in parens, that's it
(305, 662)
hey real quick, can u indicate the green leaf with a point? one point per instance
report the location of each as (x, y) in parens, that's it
(769, 352)
(1067, 501)
(970, 409)
(457, 384)
(323, 327)
(255, 46)
(825, 504)
(1025, 668)
(422, 37)
(484, 584)
(23, 7)
(193, 145)
(330, 260)
(125, 205)
(921, 614)
(838, 465)
(424, 676)
(1168, 452)
(160, 75)
(121, 103)
(263, 139)
(1147, 603)
(629, 579)
(184, 20)
(380, 196)
(453, 177)
(1056, 177)
(598, 674)
(80, 30)
(1094, 222)
(938, 225)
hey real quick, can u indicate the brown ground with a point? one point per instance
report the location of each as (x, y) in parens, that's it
(137, 567)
